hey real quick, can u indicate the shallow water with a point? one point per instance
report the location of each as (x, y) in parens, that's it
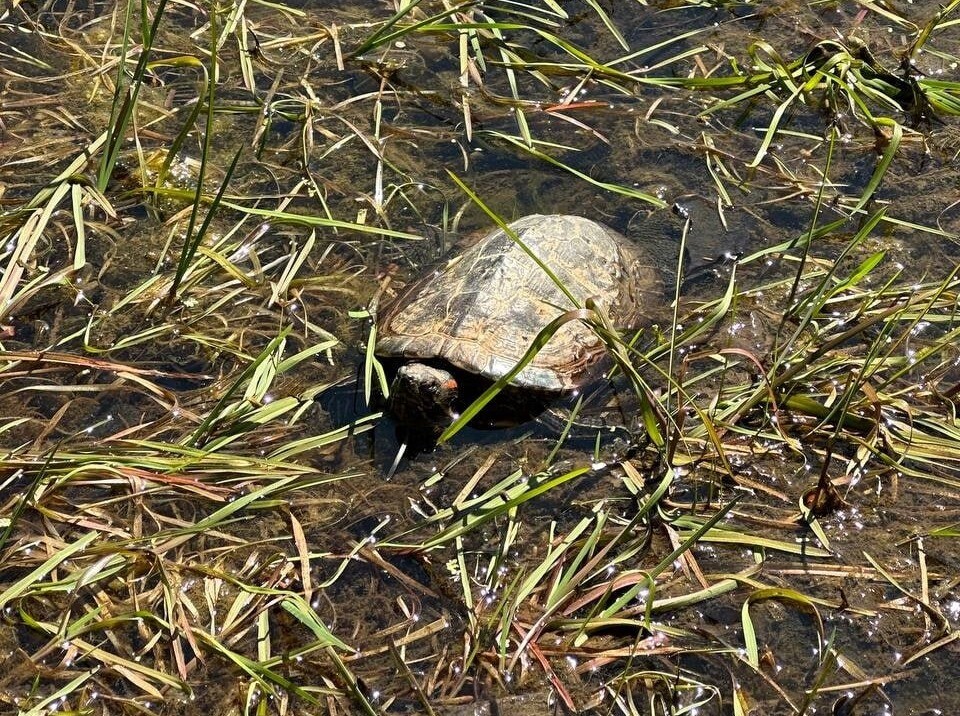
(378, 141)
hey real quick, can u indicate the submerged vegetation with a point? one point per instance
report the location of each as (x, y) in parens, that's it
(204, 206)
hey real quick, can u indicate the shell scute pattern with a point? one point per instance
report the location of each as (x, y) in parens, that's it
(482, 311)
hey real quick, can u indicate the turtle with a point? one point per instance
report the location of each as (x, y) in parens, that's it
(473, 319)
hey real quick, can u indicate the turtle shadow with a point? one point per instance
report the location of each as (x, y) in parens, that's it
(514, 416)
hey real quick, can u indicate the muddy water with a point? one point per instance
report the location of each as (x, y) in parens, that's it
(377, 139)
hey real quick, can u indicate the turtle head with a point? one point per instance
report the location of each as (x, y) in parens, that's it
(422, 398)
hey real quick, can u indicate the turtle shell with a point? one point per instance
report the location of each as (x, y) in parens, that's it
(483, 309)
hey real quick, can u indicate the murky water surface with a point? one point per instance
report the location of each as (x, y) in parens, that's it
(866, 626)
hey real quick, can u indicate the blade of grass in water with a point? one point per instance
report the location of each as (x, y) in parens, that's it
(128, 92)
(222, 408)
(194, 235)
(388, 34)
(626, 191)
